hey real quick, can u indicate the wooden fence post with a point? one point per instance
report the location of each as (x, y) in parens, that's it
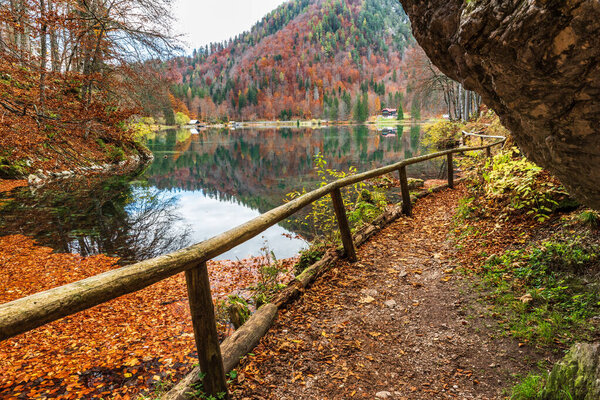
(210, 360)
(340, 213)
(406, 205)
(450, 171)
(488, 152)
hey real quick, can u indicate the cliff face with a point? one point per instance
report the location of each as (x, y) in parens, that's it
(537, 64)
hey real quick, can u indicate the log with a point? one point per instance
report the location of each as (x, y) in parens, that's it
(205, 331)
(234, 348)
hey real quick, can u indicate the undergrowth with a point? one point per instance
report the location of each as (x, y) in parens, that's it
(529, 388)
(509, 185)
(443, 135)
(361, 204)
(541, 294)
(541, 286)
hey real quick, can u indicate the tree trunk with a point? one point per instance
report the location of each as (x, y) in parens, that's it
(54, 57)
(43, 54)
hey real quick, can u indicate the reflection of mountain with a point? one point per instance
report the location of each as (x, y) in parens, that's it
(96, 215)
(258, 167)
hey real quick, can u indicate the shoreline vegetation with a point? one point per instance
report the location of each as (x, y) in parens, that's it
(299, 123)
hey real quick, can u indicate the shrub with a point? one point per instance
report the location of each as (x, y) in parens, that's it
(269, 283)
(590, 218)
(114, 154)
(181, 118)
(141, 127)
(443, 134)
(361, 204)
(308, 257)
(520, 186)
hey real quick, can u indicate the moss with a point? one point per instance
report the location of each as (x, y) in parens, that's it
(12, 169)
(576, 376)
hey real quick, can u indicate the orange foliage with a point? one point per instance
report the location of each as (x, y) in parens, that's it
(178, 105)
(8, 185)
(116, 349)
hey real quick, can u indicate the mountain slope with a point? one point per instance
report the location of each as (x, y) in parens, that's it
(306, 59)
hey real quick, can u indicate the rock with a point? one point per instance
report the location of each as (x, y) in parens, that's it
(370, 292)
(383, 394)
(537, 64)
(414, 183)
(577, 374)
(34, 180)
(366, 299)
(390, 303)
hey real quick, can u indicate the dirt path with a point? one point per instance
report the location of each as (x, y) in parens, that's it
(398, 324)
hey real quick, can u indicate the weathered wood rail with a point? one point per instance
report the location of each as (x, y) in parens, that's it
(30, 312)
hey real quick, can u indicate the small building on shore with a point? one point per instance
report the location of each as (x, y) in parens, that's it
(389, 113)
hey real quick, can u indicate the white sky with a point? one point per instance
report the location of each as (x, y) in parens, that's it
(208, 217)
(205, 21)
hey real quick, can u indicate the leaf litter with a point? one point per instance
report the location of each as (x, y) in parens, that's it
(115, 350)
(432, 344)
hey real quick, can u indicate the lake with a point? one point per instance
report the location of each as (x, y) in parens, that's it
(200, 185)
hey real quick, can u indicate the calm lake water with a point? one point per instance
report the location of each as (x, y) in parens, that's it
(200, 185)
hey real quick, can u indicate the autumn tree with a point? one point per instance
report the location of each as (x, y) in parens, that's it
(72, 66)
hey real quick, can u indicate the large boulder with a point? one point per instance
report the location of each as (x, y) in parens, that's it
(537, 64)
(576, 376)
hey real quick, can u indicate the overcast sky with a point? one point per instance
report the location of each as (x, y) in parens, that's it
(205, 21)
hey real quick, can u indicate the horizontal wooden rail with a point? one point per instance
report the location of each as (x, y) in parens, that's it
(480, 134)
(30, 312)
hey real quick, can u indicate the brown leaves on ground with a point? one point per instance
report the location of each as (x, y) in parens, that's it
(114, 350)
(399, 323)
(6, 185)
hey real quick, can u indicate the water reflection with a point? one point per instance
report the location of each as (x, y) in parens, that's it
(92, 216)
(258, 167)
(201, 185)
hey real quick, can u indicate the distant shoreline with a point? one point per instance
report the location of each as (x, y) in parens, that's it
(299, 124)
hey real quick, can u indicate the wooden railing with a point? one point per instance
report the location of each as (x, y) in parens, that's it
(30, 312)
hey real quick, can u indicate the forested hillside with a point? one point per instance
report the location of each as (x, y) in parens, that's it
(332, 59)
(71, 74)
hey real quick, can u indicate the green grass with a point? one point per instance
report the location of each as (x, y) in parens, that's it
(529, 388)
(590, 218)
(558, 306)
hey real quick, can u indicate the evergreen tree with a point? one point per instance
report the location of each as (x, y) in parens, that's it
(415, 110)
(400, 112)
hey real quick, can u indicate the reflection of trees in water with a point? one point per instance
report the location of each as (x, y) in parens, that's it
(98, 216)
(258, 167)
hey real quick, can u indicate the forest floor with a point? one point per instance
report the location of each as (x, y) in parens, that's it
(401, 323)
(407, 321)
